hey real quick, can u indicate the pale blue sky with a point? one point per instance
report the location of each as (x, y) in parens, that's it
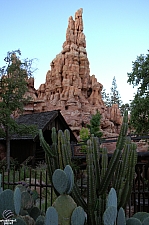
(116, 31)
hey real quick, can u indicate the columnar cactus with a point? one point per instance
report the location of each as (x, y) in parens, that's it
(120, 171)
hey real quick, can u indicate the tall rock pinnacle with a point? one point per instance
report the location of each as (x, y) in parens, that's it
(69, 86)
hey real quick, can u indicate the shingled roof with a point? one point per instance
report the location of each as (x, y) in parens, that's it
(42, 121)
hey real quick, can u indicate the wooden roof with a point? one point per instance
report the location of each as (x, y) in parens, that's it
(42, 120)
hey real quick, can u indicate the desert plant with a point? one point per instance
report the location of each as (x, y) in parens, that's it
(119, 172)
(64, 210)
(112, 216)
(19, 205)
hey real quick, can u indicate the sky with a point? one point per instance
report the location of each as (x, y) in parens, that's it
(116, 33)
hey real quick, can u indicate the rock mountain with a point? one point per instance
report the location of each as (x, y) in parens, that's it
(70, 88)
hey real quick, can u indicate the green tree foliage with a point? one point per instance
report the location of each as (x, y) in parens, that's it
(94, 126)
(124, 107)
(139, 106)
(106, 97)
(92, 129)
(84, 134)
(13, 86)
(114, 96)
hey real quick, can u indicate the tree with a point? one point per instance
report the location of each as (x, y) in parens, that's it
(94, 126)
(92, 129)
(124, 107)
(13, 86)
(140, 105)
(112, 98)
(106, 97)
(114, 95)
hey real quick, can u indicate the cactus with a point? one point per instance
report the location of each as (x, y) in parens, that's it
(51, 217)
(6, 201)
(29, 220)
(121, 217)
(141, 216)
(35, 212)
(110, 216)
(20, 221)
(70, 177)
(120, 170)
(40, 220)
(18, 205)
(26, 200)
(133, 221)
(64, 210)
(78, 216)
(17, 200)
(145, 221)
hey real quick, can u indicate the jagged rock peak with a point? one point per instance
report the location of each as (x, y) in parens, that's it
(75, 37)
(69, 86)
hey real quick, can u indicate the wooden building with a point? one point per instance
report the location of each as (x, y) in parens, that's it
(25, 146)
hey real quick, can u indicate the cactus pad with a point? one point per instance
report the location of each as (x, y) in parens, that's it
(70, 176)
(112, 198)
(60, 181)
(78, 216)
(40, 220)
(26, 200)
(109, 216)
(17, 200)
(145, 221)
(35, 212)
(141, 215)
(20, 221)
(121, 217)
(64, 205)
(29, 220)
(6, 201)
(51, 217)
(133, 221)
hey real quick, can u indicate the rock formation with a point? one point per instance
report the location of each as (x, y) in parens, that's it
(70, 88)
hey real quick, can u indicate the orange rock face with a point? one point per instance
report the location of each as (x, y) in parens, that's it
(70, 88)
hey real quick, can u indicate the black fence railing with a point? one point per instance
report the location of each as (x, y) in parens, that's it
(39, 180)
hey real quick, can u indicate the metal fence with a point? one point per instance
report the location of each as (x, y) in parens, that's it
(38, 180)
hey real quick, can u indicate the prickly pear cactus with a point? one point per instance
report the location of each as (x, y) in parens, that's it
(40, 220)
(20, 221)
(51, 217)
(133, 221)
(121, 217)
(78, 216)
(26, 200)
(65, 206)
(6, 201)
(35, 212)
(17, 200)
(29, 220)
(110, 216)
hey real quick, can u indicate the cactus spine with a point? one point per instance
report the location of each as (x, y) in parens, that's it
(119, 171)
